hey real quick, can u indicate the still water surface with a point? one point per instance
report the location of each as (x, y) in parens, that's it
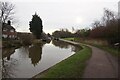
(27, 61)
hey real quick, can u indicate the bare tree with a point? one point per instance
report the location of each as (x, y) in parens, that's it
(6, 11)
(96, 24)
(108, 16)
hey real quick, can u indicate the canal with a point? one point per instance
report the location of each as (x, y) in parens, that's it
(27, 61)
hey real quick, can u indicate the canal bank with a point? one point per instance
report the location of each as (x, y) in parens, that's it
(72, 67)
(101, 64)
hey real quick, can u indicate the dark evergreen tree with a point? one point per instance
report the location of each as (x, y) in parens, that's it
(36, 26)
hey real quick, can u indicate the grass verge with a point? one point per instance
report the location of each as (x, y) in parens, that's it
(71, 67)
(111, 50)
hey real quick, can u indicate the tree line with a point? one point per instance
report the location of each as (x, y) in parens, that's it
(107, 28)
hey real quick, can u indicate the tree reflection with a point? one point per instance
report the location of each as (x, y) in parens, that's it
(60, 44)
(7, 52)
(8, 63)
(76, 48)
(35, 52)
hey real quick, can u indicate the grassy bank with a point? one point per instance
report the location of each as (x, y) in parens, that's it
(71, 67)
(98, 43)
(112, 51)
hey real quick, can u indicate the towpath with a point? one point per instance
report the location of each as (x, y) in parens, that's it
(100, 65)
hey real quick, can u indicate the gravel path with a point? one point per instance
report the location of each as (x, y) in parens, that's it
(101, 65)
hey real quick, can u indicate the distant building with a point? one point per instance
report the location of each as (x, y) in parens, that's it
(8, 31)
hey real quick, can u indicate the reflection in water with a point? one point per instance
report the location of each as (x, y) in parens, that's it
(8, 66)
(11, 61)
(26, 61)
(7, 52)
(23, 52)
(75, 48)
(60, 44)
(35, 52)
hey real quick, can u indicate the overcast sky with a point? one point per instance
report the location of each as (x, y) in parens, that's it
(57, 14)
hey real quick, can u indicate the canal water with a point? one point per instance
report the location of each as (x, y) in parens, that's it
(27, 61)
